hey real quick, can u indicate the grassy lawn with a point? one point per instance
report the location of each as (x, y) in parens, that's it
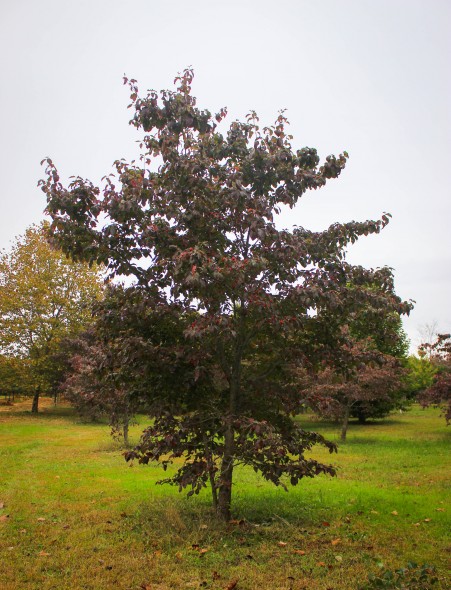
(75, 516)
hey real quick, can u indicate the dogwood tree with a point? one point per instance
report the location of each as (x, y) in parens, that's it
(194, 224)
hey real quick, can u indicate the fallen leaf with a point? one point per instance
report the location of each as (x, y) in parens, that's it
(321, 564)
(158, 553)
(440, 509)
(4, 517)
(41, 519)
(231, 585)
(416, 524)
(299, 552)
(23, 531)
(179, 556)
(394, 513)
(281, 544)
(43, 553)
(427, 520)
(374, 512)
(240, 522)
(338, 558)
(326, 523)
(335, 541)
(203, 551)
(216, 576)
(1, 505)
(203, 526)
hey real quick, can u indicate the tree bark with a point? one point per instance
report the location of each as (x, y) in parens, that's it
(35, 405)
(214, 491)
(344, 426)
(125, 432)
(225, 486)
(226, 476)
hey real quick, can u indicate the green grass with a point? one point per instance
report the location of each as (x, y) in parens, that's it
(76, 516)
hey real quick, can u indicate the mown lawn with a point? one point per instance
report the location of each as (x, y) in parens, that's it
(75, 516)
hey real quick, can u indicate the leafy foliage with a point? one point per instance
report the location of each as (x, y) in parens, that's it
(439, 393)
(194, 225)
(366, 382)
(388, 337)
(15, 376)
(44, 296)
(412, 577)
(420, 374)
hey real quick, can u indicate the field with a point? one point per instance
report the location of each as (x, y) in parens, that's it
(74, 515)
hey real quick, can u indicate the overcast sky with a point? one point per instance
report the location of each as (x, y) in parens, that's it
(372, 77)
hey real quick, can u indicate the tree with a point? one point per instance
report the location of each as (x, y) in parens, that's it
(93, 386)
(439, 393)
(193, 224)
(44, 296)
(365, 382)
(116, 363)
(420, 375)
(389, 338)
(14, 376)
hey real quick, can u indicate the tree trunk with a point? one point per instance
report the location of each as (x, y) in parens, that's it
(225, 486)
(35, 405)
(214, 491)
(224, 504)
(344, 426)
(125, 432)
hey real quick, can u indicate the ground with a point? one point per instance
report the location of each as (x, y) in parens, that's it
(74, 515)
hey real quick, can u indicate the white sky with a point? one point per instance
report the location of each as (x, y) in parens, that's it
(372, 77)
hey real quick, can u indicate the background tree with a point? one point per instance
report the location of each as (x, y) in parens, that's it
(439, 393)
(364, 382)
(117, 366)
(44, 296)
(198, 236)
(389, 338)
(420, 375)
(14, 377)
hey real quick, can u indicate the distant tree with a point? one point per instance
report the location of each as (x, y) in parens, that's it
(14, 377)
(439, 393)
(198, 236)
(91, 384)
(420, 374)
(117, 367)
(364, 378)
(389, 338)
(44, 296)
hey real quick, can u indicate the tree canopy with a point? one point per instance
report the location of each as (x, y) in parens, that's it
(44, 296)
(194, 224)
